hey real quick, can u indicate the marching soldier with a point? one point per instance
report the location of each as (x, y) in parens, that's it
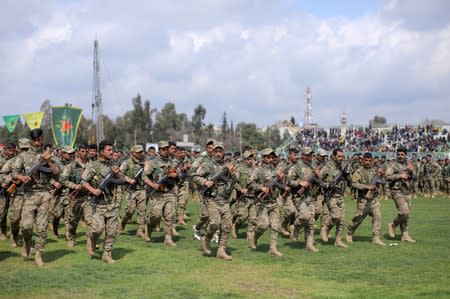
(9, 152)
(104, 202)
(366, 180)
(217, 178)
(136, 197)
(400, 176)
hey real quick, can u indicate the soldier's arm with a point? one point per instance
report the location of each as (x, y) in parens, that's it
(357, 181)
(65, 174)
(147, 175)
(391, 174)
(199, 177)
(86, 177)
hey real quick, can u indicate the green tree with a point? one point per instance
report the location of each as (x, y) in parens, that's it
(197, 122)
(169, 125)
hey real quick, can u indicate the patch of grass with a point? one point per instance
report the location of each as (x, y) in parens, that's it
(152, 270)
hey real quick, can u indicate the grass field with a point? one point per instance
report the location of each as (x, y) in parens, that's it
(151, 270)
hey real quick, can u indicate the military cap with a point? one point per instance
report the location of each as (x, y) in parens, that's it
(163, 143)
(247, 154)
(293, 148)
(218, 144)
(137, 148)
(196, 149)
(212, 141)
(24, 143)
(322, 152)
(68, 149)
(267, 151)
(307, 150)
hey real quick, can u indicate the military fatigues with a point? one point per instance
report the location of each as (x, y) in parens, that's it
(58, 202)
(136, 197)
(431, 172)
(401, 194)
(203, 217)
(285, 202)
(104, 208)
(305, 200)
(183, 195)
(164, 201)
(36, 200)
(77, 199)
(368, 203)
(4, 196)
(446, 177)
(217, 202)
(245, 203)
(334, 200)
(268, 211)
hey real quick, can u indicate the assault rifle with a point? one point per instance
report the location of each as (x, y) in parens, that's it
(38, 166)
(343, 174)
(272, 184)
(166, 181)
(111, 179)
(137, 177)
(313, 179)
(374, 182)
(221, 175)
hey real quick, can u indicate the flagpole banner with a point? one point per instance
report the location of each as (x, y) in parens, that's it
(34, 120)
(65, 122)
(11, 121)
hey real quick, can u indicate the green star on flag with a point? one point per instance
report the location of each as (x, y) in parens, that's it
(11, 122)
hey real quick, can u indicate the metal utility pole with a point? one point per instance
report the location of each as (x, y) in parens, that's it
(308, 110)
(97, 109)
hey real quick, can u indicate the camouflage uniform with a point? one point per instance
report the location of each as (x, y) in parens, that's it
(321, 206)
(285, 202)
(446, 177)
(431, 172)
(104, 208)
(163, 201)
(245, 203)
(136, 196)
(77, 200)
(4, 196)
(183, 194)
(15, 203)
(268, 211)
(334, 200)
(366, 205)
(36, 200)
(401, 194)
(217, 202)
(58, 202)
(203, 217)
(305, 199)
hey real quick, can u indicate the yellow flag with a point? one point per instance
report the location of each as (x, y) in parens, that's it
(34, 119)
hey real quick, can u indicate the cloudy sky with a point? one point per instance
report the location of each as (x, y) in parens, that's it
(251, 59)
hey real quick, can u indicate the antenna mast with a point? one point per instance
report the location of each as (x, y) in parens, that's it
(97, 109)
(308, 111)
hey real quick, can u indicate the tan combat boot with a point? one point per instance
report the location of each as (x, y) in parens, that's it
(339, 243)
(26, 249)
(221, 254)
(324, 234)
(310, 245)
(274, 250)
(251, 240)
(349, 238)
(377, 241)
(140, 234)
(391, 230)
(206, 245)
(71, 243)
(168, 241)
(407, 238)
(181, 220)
(107, 258)
(174, 232)
(293, 233)
(284, 231)
(38, 259)
(234, 231)
(90, 247)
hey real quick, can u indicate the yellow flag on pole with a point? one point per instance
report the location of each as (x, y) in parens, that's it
(34, 120)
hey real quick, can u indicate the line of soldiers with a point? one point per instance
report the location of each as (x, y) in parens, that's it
(40, 186)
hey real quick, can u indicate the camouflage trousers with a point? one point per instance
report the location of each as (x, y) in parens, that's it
(447, 185)
(16, 204)
(136, 202)
(72, 215)
(183, 195)
(336, 208)
(57, 206)
(366, 207)
(220, 219)
(318, 206)
(203, 216)
(305, 216)
(268, 214)
(403, 205)
(4, 206)
(163, 206)
(430, 185)
(35, 215)
(287, 209)
(104, 217)
(245, 210)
